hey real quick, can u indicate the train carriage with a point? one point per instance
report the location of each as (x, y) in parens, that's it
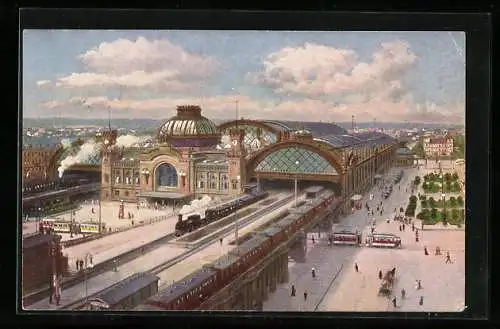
(286, 226)
(227, 267)
(276, 234)
(187, 293)
(313, 191)
(297, 219)
(252, 251)
(60, 226)
(125, 294)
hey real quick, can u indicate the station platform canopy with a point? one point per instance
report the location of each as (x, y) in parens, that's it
(163, 195)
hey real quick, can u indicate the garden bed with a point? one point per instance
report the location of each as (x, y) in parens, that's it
(453, 216)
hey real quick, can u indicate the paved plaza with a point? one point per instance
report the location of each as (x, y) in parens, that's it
(338, 287)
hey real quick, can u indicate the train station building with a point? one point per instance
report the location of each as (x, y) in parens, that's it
(191, 156)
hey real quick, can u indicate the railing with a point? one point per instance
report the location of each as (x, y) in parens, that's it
(141, 223)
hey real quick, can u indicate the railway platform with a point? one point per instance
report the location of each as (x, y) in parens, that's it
(97, 283)
(111, 246)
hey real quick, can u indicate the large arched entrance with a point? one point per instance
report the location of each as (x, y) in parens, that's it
(279, 166)
(166, 176)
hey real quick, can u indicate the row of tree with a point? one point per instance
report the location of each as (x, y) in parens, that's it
(433, 216)
(452, 202)
(412, 205)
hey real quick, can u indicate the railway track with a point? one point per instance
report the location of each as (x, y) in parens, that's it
(100, 268)
(202, 245)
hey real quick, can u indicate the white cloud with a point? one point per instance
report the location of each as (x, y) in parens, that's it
(320, 70)
(224, 107)
(42, 82)
(141, 63)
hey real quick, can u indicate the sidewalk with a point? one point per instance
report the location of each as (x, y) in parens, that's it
(444, 284)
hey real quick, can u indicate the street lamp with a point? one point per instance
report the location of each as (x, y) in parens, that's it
(39, 219)
(88, 266)
(297, 166)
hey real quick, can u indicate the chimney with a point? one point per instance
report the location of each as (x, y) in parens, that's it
(180, 217)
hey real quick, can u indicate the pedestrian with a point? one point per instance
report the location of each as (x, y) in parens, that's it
(220, 240)
(313, 273)
(356, 268)
(403, 293)
(90, 258)
(394, 301)
(421, 302)
(305, 295)
(51, 293)
(380, 274)
(448, 258)
(413, 227)
(378, 208)
(403, 227)
(438, 251)
(313, 240)
(416, 238)
(293, 291)
(81, 264)
(77, 262)
(115, 268)
(425, 251)
(419, 284)
(400, 228)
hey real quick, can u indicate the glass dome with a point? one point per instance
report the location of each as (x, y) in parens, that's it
(188, 124)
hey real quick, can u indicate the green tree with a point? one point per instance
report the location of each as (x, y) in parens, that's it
(417, 180)
(424, 203)
(434, 213)
(447, 176)
(456, 187)
(449, 186)
(455, 176)
(453, 201)
(460, 200)
(454, 214)
(432, 202)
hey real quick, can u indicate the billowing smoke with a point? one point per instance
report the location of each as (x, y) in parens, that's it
(87, 151)
(66, 143)
(131, 140)
(196, 206)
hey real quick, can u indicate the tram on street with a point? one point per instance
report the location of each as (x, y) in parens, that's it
(384, 240)
(62, 226)
(346, 237)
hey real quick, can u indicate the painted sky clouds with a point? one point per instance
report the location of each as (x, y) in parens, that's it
(310, 76)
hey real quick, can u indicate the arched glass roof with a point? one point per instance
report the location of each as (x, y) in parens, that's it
(295, 160)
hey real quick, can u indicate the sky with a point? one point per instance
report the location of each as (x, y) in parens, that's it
(306, 76)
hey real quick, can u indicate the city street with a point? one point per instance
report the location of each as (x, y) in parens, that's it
(338, 287)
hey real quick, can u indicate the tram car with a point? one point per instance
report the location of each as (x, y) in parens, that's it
(195, 221)
(62, 226)
(346, 236)
(384, 240)
(192, 291)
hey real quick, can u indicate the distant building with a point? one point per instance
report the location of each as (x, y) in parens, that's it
(438, 146)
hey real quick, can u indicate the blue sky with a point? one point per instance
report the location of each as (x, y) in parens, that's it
(313, 75)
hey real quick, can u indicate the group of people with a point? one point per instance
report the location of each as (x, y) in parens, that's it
(80, 263)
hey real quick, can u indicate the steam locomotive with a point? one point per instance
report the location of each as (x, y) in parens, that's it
(195, 221)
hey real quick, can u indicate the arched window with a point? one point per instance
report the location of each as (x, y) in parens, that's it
(224, 182)
(166, 175)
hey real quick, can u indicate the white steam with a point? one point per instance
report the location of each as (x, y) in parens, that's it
(88, 150)
(131, 140)
(196, 206)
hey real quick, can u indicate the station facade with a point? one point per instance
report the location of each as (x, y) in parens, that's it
(191, 156)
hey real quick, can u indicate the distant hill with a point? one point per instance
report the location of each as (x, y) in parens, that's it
(152, 125)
